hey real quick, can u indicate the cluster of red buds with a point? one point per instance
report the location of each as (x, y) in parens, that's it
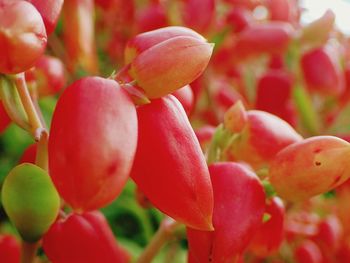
(227, 117)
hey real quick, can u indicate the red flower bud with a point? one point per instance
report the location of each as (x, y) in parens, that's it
(82, 238)
(170, 65)
(50, 11)
(268, 38)
(330, 234)
(92, 142)
(169, 166)
(238, 19)
(260, 139)
(308, 252)
(321, 73)
(22, 36)
(10, 249)
(48, 74)
(310, 167)
(239, 204)
(152, 17)
(267, 240)
(274, 90)
(198, 14)
(144, 41)
(29, 154)
(283, 10)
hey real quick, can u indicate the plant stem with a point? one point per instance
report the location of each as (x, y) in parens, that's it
(28, 252)
(40, 135)
(164, 233)
(28, 104)
(41, 159)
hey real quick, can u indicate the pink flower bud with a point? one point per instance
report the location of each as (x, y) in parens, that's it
(199, 14)
(170, 65)
(22, 36)
(239, 204)
(268, 38)
(310, 167)
(308, 252)
(321, 73)
(317, 32)
(169, 166)
(263, 136)
(268, 238)
(144, 41)
(48, 75)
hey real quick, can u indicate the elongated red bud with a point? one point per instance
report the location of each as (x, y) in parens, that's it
(193, 14)
(310, 167)
(274, 90)
(330, 233)
(169, 166)
(238, 19)
(268, 38)
(48, 75)
(283, 10)
(261, 140)
(144, 41)
(321, 73)
(239, 204)
(50, 11)
(29, 154)
(170, 65)
(92, 112)
(82, 238)
(10, 249)
(151, 17)
(308, 252)
(268, 238)
(22, 36)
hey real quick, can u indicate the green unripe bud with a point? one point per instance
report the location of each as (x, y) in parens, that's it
(30, 200)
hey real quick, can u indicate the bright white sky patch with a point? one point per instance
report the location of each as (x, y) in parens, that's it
(316, 8)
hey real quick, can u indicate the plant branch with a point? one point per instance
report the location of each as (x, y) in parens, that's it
(28, 104)
(29, 252)
(164, 233)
